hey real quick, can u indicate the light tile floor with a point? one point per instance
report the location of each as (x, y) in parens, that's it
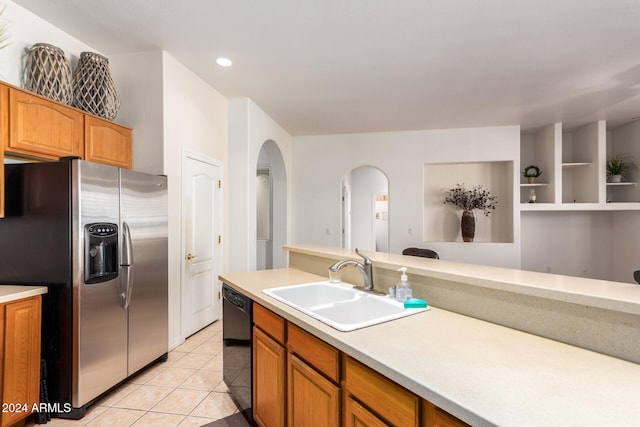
(187, 390)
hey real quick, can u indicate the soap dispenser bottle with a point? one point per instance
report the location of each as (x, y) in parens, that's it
(403, 289)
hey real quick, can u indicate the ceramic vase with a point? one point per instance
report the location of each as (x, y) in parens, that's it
(94, 90)
(48, 73)
(468, 225)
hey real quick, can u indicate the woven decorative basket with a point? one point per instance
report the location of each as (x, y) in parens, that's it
(48, 73)
(94, 90)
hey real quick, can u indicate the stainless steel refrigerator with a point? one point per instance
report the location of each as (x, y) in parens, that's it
(96, 235)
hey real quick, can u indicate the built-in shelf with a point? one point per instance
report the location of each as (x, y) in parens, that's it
(441, 223)
(542, 184)
(568, 207)
(575, 164)
(621, 184)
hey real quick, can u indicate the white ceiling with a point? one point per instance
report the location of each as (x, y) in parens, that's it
(334, 66)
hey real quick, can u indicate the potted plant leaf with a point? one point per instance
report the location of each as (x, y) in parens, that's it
(618, 166)
(531, 172)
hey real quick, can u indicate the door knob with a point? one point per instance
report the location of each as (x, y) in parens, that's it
(190, 257)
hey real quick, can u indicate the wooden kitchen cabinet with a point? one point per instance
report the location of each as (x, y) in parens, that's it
(432, 416)
(384, 399)
(313, 376)
(107, 142)
(20, 368)
(300, 380)
(269, 368)
(356, 415)
(312, 400)
(42, 128)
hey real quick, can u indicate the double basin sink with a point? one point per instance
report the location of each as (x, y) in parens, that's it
(340, 305)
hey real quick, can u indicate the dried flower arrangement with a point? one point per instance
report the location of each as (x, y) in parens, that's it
(477, 197)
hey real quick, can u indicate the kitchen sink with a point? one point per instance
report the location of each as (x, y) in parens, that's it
(340, 305)
(310, 295)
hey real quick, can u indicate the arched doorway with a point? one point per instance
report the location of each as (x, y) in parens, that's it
(365, 209)
(271, 208)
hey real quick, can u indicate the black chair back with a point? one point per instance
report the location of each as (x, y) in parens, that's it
(424, 253)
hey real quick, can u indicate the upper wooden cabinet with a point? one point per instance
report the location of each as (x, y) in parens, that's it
(107, 142)
(42, 128)
(36, 127)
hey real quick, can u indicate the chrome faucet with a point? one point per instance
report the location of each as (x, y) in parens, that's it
(365, 267)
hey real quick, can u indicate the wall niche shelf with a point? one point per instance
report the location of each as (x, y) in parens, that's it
(570, 165)
(573, 163)
(621, 184)
(535, 184)
(441, 223)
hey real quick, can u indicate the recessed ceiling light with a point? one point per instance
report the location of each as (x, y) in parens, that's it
(224, 62)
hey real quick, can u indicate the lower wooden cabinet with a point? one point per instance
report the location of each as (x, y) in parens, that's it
(269, 372)
(432, 416)
(312, 400)
(300, 380)
(356, 415)
(390, 402)
(20, 369)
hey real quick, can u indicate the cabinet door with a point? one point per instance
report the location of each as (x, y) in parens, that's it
(312, 400)
(21, 366)
(43, 128)
(356, 415)
(393, 403)
(107, 142)
(432, 416)
(269, 365)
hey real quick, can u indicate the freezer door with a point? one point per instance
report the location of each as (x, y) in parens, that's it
(100, 321)
(144, 212)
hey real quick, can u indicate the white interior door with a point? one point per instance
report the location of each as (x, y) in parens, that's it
(201, 247)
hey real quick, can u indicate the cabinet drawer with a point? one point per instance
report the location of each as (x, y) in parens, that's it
(390, 401)
(269, 322)
(315, 352)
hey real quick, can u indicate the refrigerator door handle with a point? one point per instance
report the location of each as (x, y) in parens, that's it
(126, 263)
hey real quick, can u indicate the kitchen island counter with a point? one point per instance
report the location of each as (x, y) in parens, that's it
(482, 373)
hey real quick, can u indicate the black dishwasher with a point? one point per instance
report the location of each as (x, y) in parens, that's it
(237, 318)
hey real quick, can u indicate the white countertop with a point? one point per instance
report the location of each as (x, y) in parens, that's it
(482, 373)
(10, 293)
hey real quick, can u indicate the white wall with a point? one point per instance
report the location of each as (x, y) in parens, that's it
(26, 29)
(170, 109)
(568, 243)
(320, 162)
(195, 118)
(249, 129)
(139, 78)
